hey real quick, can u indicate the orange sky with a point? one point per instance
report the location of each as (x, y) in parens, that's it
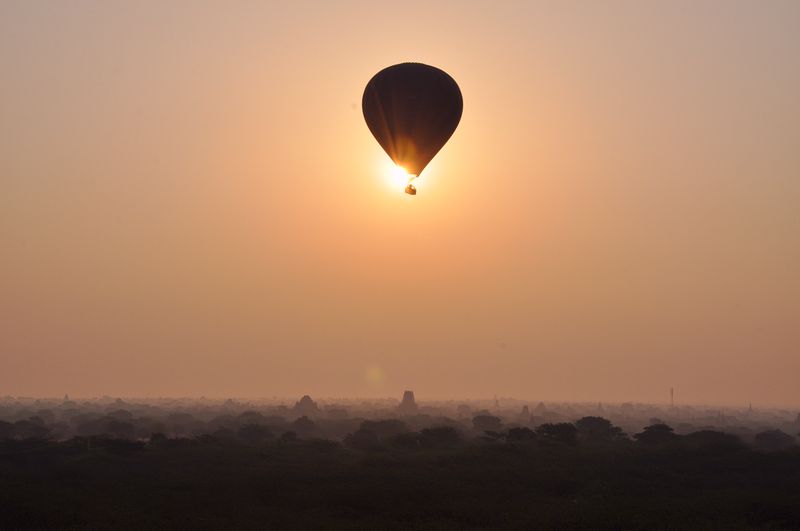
(191, 203)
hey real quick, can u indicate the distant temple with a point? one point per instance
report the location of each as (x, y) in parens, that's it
(408, 405)
(305, 406)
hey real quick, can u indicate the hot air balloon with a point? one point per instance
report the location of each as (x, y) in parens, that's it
(412, 109)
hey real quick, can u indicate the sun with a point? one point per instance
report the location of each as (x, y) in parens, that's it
(396, 178)
(399, 177)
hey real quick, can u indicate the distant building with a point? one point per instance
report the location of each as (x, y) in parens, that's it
(306, 407)
(525, 415)
(408, 405)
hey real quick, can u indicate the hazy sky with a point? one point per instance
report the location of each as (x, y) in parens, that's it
(191, 203)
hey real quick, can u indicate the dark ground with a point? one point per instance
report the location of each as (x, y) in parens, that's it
(209, 483)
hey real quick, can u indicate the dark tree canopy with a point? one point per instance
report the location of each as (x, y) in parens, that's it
(519, 434)
(487, 423)
(561, 432)
(656, 434)
(774, 440)
(598, 429)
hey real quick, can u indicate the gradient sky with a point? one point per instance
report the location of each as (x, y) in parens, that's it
(191, 203)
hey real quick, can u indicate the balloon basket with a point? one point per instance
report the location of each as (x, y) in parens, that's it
(411, 189)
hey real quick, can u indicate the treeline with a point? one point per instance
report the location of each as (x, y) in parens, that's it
(387, 474)
(252, 427)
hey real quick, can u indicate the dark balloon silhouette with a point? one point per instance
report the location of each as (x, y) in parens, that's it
(412, 110)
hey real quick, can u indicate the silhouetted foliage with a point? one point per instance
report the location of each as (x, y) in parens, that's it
(656, 434)
(181, 483)
(304, 427)
(384, 429)
(224, 434)
(598, 429)
(252, 417)
(216, 466)
(493, 436)
(406, 441)
(774, 441)
(288, 437)
(156, 439)
(363, 439)
(120, 414)
(520, 434)
(487, 423)
(118, 446)
(561, 432)
(440, 436)
(716, 441)
(254, 433)
(120, 430)
(30, 429)
(6, 430)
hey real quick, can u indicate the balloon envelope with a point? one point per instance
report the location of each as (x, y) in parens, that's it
(412, 110)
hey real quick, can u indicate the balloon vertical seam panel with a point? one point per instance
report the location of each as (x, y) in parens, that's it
(412, 110)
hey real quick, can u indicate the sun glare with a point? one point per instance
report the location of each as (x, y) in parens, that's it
(397, 178)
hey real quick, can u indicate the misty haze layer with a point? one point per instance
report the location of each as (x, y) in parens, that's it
(192, 205)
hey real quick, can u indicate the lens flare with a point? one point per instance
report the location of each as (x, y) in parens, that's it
(399, 177)
(375, 376)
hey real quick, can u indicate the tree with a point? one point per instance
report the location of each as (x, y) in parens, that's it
(713, 440)
(121, 414)
(598, 429)
(561, 432)
(254, 433)
(362, 439)
(656, 434)
(440, 436)
(30, 429)
(304, 426)
(385, 429)
(487, 423)
(774, 440)
(252, 417)
(120, 430)
(224, 434)
(6, 430)
(288, 437)
(406, 440)
(520, 434)
(157, 439)
(119, 446)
